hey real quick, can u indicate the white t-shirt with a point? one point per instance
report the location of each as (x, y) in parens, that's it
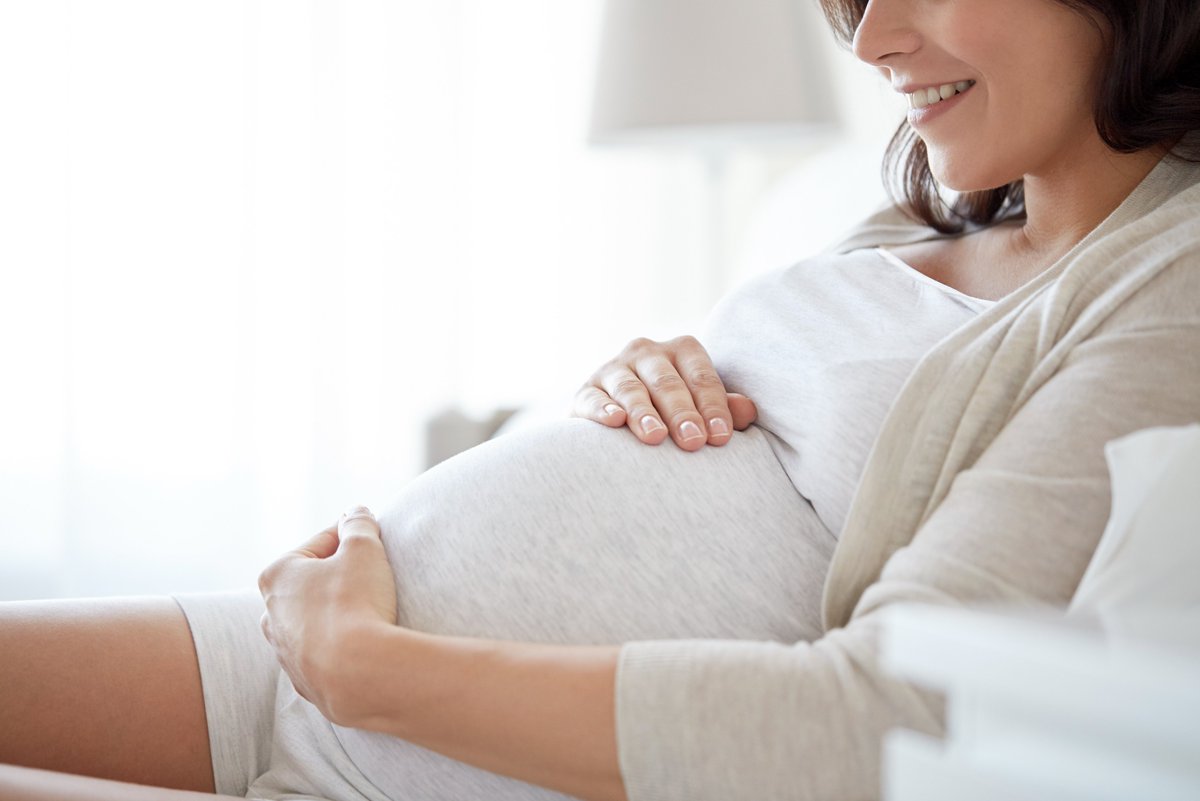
(823, 347)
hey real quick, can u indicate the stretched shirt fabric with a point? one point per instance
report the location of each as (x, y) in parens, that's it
(823, 347)
(987, 484)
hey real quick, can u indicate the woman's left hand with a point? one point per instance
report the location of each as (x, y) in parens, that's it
(320, 595)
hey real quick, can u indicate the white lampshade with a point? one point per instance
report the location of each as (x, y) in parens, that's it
(710, 73)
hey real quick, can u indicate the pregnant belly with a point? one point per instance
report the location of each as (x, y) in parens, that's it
(575, 533)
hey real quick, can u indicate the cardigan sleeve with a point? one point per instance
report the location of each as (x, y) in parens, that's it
(706, 719)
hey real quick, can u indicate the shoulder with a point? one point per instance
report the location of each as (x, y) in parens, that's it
(888, 224)
(1169, 299)
(1169, 237)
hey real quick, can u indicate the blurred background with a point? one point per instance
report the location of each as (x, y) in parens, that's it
(250, 248)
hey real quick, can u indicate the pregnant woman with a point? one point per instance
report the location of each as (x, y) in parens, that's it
(586, 610)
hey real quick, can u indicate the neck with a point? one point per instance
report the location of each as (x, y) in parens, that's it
(1068, 199)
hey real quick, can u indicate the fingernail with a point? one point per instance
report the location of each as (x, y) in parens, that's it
(690, 431)
(717, 427)
(356, 511)
(611, 409)
(650, 424)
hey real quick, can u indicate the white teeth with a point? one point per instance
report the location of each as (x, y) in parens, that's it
(925, 97)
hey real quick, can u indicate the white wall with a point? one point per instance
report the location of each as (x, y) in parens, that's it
(247, 247)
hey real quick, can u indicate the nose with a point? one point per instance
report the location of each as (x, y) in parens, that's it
(886, 30)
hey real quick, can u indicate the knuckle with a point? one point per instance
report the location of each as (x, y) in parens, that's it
(613, 369)
(603, 375)
(706, 378)
(264, 580)
(711, 412)
(685, 341)
(668, 383)
(640, 345)
(629, 386)
(361, 540)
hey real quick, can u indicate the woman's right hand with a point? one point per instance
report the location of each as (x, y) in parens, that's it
(661, 387)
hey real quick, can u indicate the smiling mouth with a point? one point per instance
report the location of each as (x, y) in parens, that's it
(936, 94)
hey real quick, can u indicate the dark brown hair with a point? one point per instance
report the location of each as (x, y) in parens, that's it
(1149, 95)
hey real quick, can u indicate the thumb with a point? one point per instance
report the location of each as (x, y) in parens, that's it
(358, 522)
(320, 545)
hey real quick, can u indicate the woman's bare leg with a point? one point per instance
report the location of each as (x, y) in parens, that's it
(32, 784)
(104, 687)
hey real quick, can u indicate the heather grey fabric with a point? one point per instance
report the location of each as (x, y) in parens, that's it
(238, 673)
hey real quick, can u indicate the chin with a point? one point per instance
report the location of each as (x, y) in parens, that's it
(968, 177)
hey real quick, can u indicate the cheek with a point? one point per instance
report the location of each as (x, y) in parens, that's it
(1035, 95)
(984, 150)
(1010, 130)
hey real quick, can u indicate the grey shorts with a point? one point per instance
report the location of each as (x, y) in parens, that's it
(266, 742)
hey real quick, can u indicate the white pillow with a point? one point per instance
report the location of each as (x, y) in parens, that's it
(1148, 559)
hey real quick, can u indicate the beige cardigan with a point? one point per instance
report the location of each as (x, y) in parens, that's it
(987, 484)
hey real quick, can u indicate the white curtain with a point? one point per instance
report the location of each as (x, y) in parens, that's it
(247, 247)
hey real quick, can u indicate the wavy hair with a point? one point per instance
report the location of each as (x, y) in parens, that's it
(1149, 95)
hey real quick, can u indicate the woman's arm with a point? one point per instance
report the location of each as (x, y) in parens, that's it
(543, 714)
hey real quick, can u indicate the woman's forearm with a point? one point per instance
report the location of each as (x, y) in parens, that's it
(543, 714)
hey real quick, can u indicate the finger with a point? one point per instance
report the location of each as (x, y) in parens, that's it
(593, 403)
(358, 522)
(320, 545)
(673, 401)
(743, 409)
(707, 389)
(623, 386)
